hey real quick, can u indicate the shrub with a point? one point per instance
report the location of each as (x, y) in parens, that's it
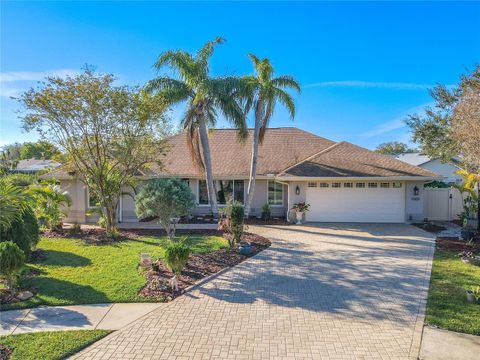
(266, 211)
(167, 199)
(24, 232)
(232, 221)
(12, 259)
(176, 257)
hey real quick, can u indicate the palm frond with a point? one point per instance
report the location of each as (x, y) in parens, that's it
(204, 54)
(286, 81)
(180, 61)
(286, 100)
(170, 90)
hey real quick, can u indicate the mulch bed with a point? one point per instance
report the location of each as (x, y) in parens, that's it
(5, 352)
(430, 227)
(272, 221)
(198, 267)
(457, 245)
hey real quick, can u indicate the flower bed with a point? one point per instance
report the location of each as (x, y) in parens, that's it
(198, 267)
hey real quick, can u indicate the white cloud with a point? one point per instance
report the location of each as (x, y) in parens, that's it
(371, 84)
(11, 76)
(12, 83)
(396, 123)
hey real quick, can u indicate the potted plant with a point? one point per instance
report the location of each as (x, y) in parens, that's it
(473, 295)
(300, 209)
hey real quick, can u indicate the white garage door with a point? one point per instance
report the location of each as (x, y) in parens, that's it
(356, 202)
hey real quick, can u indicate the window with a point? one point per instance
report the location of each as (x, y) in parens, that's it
(275, 193)
(323, 185)
(92, 199)
(348, 185)
(397, 185)
(227, 190)
(360, 185)
(385, 185)
(336, 185)
(312, 184)
(372, 185)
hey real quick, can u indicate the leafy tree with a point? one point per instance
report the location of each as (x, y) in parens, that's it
(176, 257)
(38, 150)
(393, 148)
(12, 260)
(167, 199)
(205, 97)
(264, 92)
(109, 133)
(452, 127)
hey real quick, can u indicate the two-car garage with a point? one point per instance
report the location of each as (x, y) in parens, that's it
(345, 201)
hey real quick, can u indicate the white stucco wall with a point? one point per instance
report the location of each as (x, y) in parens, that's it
(414, 205)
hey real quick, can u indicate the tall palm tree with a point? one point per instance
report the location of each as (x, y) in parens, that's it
(205, 97)
(265, 92)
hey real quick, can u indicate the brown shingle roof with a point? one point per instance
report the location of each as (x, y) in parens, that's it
(282, 147)
(347, 160)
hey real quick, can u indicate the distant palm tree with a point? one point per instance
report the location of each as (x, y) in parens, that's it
(265, 92)
(205, 96)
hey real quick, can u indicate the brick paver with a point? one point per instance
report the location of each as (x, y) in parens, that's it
(322, 292)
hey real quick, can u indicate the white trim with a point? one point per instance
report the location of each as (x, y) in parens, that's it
(358, 178)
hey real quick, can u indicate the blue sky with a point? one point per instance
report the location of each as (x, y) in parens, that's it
(363, 66)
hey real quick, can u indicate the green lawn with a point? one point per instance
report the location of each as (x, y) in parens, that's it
(76, 273)
(447, 306)
(50, 345)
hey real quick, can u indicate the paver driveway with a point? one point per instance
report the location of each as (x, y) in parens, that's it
(327, 291)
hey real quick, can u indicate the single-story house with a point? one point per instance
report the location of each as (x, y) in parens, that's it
(341, 181)
(448, 170)
(32, 166)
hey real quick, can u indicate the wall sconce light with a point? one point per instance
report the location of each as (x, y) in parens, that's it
(297, 190)
(416, 191)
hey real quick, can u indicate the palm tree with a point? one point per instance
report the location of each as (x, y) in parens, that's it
(265, 92)
(205, 97)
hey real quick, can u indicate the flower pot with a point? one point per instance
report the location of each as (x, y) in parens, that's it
(245, 248)
(299, 217)
(471, 298)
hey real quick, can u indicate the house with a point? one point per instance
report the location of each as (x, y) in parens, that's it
(30, 166)
(446, 170)
(341, 181)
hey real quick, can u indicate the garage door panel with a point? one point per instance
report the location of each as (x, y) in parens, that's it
(356, 205)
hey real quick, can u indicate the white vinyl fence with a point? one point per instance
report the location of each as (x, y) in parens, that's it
(442, 204)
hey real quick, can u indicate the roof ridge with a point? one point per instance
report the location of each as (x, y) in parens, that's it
(312, 156)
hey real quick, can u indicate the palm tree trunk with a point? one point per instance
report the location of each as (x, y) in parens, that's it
(207, 159)
(253, 164)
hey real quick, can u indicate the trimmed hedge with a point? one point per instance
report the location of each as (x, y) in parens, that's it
(24, 232)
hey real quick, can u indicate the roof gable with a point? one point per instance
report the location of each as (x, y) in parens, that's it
(349, 160)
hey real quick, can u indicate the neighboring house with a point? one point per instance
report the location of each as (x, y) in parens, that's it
(446, 170)
(30, 166)
(342, 182)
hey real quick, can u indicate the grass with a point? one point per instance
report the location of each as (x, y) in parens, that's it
(50, 345)
(447, 306)
(74, 272)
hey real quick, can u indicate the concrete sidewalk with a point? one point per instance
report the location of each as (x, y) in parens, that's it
(438, 344)
(75, 317)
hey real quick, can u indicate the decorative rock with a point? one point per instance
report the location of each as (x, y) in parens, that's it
(24, 295)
